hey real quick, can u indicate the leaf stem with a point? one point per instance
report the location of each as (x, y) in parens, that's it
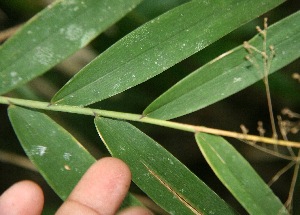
(141, 118)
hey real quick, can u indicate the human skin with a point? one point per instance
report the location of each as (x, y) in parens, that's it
(100, 191)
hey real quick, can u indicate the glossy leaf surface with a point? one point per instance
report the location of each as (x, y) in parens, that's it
(158, 45)
(159, 174)
(54, 34)
(229, 73)
(58, 156)
(238, 176)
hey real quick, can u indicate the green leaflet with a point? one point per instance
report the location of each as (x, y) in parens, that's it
(238, 176)
(54, 34)
(58, 156)
(159, 174)
(158, 45)
(230, 72)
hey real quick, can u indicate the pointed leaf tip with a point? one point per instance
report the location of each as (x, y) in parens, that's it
(158, 45)
(238, 176)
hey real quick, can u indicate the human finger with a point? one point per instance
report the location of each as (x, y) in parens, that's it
(22, 198)
(135, 211)
(101, 190)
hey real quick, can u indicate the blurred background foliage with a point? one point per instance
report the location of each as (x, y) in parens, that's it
(246, 107)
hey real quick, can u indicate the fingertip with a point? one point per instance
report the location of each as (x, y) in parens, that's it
(102, 188)
(136, 211)
(24, 197)
(114, 164)
(112, 173)
(117, 162)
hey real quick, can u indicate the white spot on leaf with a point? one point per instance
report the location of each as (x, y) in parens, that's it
(235, 80)
(42, 150)
(43, 55)
(122, 148)
(69, 2)
(87, 37)
(13, 74)
(67, 156)
(170, 160)
(15, 78)
(74, 32)
(38, 150)
(199, 46)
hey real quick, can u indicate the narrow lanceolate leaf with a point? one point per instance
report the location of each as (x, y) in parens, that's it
(238, 176)
(159, 174)
(58, 156)
(228, 73)
(54, 34)
(158, 45)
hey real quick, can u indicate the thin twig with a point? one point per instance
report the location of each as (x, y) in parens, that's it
(284, 134)
(288, 202)
(138, 118)
(281, 172)
(267, 61)
(269, 151)
(267, 65)
(290, 113)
